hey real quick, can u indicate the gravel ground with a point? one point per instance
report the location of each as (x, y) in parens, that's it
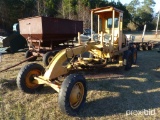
(112, 93)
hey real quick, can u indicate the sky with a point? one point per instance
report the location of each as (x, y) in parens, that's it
(156, 8)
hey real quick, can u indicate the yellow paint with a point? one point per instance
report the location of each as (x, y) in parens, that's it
(101, 51)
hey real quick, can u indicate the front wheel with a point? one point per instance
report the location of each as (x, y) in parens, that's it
(72, 95)
(25, 78)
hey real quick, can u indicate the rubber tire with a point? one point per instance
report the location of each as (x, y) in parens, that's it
(65, 91)
(29, 54)
(47, 55)
(144, 47)
(21, 78)
(138, 46)
(149, 46)
(134, 51)
(129, 59)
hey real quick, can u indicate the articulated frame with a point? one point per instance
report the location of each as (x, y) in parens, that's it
(102, 49)
(58, 66)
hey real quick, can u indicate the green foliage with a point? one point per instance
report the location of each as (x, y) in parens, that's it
(86, 2)
(9, 12)
(141, 13)
(12, 10)
(28, 7)
(69, 8)
(98, 3)
(51, 7)
(126, 14)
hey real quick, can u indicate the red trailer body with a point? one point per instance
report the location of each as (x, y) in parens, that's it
(47, 34)
(48, 31)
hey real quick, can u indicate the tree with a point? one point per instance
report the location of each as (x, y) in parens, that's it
(28, 8)
(12, 10)
(68, 8)
(155, 20)
(51, 7)
(97, 3)
(126, 14)
(141, 13)
(83, 13)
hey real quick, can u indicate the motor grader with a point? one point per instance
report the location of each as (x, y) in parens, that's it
(108, 45)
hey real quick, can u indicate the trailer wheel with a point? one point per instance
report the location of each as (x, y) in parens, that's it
(144, 47)
(26, 76)
(48, 57)
(72, 95)
(138, 46)
(29, 54)
(149, 46)
(129, 60)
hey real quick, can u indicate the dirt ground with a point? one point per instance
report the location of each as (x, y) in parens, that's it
(112, 93)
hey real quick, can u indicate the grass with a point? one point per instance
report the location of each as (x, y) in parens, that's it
(111, 92)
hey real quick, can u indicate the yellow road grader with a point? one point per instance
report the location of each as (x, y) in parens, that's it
(108, 45)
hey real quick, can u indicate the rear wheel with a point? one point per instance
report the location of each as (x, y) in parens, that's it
(47, 58)
(134, 55)
(29, 54)
(72, 95)
(128, 60)
(26, 76)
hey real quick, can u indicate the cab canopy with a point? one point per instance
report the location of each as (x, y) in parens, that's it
(110, 21)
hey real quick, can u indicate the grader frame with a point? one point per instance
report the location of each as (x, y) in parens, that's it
(73, 90)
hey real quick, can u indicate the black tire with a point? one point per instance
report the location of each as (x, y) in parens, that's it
(134, 55)
(144, 47)
(25, 78)
(29, 54)
(138, 46)
(129, 59)
(76, 83)
(149, 46)
(48, 57)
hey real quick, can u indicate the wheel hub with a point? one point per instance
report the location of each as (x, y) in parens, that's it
(76, 95)
(30, 78)
(49, 59)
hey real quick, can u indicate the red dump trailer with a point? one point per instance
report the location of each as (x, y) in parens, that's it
(47, 35)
